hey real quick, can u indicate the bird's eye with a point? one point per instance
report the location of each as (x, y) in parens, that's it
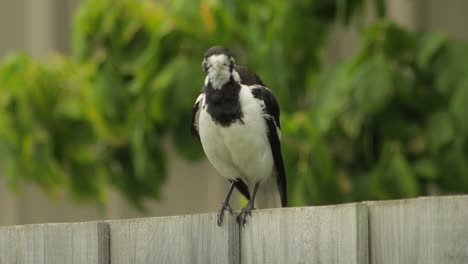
(204, 66)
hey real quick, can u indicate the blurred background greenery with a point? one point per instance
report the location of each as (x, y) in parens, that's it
(386, 122)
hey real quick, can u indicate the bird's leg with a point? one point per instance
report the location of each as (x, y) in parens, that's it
(247, 210)
(225, 204)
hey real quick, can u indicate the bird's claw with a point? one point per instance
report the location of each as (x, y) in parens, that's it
(224, 207)
(242, 217)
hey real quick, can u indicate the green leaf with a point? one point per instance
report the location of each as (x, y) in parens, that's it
(428, 47)
(393, 175)
(371, 90)
(372, 85)
(459, 106)
(426, 168)
(453, 167)
(332, 92)
(450, 67)
(440, 130)
(393, 41)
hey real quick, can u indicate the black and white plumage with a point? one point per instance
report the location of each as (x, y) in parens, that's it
(237, 121)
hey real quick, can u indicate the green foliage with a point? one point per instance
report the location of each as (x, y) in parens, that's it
(386, 123)
(391, 118)
(44, 133)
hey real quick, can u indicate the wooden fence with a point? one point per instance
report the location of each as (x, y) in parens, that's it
(423, 230)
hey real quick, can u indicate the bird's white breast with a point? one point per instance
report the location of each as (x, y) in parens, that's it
(240, 150)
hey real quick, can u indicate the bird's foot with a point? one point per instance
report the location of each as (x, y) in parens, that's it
(247, 210)
(224, 206)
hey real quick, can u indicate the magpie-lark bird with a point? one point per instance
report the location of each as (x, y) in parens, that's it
(237, 121)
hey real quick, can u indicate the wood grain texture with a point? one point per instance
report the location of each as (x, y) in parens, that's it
(55, 243)
(176, 239)
(324, 234)
(424, 230)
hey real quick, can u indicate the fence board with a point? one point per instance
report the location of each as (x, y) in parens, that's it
(424, 230)
(55, 243)
(177, 239)
(324, 234)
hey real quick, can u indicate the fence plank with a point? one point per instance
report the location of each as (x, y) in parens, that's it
(424, 230)
(177, 239)
(55, 243)
(324, 234)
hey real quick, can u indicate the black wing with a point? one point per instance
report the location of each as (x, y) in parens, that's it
(195, 114)
(248, 77)
(272, 112)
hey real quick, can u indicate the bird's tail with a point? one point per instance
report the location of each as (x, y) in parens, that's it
(268, 195)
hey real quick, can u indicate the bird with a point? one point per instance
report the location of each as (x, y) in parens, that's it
(237, 120)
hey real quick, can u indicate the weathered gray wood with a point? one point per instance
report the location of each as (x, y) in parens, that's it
(324, 234)
(176, 239)
(424, 230)
(55, 243)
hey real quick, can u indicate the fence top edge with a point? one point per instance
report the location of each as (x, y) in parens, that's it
(54, 224)
(213, 214)
(415, 199)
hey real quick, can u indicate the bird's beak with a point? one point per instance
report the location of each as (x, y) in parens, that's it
(218, 64)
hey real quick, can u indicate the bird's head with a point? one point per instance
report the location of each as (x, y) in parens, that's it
(218, 64)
